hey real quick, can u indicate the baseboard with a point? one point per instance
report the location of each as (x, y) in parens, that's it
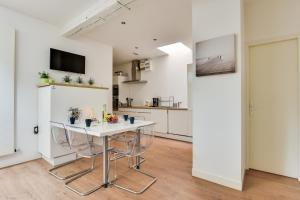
(9, 161)
(60, 160)
(174, 137)
(218, 179)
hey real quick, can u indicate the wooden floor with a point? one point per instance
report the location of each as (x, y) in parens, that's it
(170, 161)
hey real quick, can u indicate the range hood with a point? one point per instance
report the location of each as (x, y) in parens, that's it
(135, 73)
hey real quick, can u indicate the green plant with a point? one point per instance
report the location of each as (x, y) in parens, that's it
(74, 112)
(67, 79)
(79, 80)
(91, 81)
(44, 74)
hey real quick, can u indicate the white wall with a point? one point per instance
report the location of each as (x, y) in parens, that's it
(267, 20)
(217, 100)
(167, 78)
(7, 89)
(270, 19)
(33, 41)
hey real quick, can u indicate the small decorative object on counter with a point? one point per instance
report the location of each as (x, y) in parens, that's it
(74, 114)
(131, 119)
(44, 77)
(79, 80)
(91, 81)
(67, 79)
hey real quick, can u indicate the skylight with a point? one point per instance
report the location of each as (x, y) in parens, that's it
(172, 48)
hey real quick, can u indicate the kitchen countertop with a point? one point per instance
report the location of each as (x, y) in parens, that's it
(157, 108)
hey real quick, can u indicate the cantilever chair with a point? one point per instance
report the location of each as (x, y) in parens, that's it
(126, 138)
(85, 147)
(59, 135)
(136, 147)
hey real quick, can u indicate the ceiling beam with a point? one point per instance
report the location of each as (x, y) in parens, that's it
(95, 16)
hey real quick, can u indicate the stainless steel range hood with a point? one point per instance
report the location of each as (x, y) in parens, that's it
(135, 73)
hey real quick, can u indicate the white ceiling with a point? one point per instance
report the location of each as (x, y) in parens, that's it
(168, 21)
(55, 12)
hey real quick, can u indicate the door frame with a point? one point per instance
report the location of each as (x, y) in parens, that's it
(248, 94)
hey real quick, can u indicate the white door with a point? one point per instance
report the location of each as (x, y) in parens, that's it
(274, 108)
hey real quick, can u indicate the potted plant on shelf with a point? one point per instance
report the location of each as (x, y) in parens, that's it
(91, 81)
(74, 114)
(44, 77)
(79, 80)
(67, 79)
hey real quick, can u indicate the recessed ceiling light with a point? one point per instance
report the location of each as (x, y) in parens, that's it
(154, 39)
(123, 22)
(136, 54)
(136, 47)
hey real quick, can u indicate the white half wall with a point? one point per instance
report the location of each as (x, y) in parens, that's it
(217, 100)
(168, 77)
(34, 38)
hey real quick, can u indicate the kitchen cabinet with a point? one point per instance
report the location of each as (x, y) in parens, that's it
(169, 123)
(160, 117)
(180, 122)
(144, 114)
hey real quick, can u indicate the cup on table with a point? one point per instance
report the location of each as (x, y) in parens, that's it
(125, 117)
(131, 119)
(88, 122)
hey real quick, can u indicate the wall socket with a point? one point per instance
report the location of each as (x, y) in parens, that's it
(36, 130)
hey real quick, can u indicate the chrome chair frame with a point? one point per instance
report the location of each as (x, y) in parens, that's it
(92, 156)
(135, 167)
(51, 171)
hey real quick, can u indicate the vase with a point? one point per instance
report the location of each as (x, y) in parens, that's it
(72, 120)
(44, 80)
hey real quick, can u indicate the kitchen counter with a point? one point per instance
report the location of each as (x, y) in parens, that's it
(157, 108)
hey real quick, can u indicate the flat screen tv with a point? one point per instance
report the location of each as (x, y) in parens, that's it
(65, 61)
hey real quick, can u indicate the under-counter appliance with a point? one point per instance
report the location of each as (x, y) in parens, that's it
(155, 102)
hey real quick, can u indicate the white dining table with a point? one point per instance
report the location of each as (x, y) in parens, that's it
(105, 130)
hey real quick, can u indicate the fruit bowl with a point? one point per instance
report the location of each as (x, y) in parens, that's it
(112, 119)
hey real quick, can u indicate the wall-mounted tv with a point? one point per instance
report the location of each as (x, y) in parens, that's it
(65, 61)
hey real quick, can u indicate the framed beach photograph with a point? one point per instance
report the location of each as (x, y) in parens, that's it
(216, 56)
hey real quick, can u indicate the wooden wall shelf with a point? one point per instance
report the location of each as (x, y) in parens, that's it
(72, 85)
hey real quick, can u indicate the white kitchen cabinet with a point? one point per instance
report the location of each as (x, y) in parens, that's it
(53, 105)
(144, 114)
(160, 117)
(180, 122)
(174, 124)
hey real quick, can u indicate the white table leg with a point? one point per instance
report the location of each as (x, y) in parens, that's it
(105, 161)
